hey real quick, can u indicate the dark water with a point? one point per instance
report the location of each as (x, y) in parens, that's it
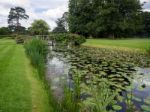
(57, 75)
(141, 89)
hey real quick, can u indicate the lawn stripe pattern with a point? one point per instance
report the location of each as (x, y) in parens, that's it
(21, 90)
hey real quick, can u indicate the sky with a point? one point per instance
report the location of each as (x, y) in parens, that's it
(48, 10)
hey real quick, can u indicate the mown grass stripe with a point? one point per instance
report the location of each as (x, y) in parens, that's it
(21, 89)
(14, 85)
(122, 44)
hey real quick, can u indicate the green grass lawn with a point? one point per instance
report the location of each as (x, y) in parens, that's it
(21, 90)
(142, 44)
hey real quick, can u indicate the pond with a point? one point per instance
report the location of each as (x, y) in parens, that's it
(117, 66)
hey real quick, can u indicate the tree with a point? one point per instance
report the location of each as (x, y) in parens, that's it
(60, 26)
(80, 16)
(146, 23)
(39, 27)
(65, 18)
(5, 31)
(15, 15)
(104, 18)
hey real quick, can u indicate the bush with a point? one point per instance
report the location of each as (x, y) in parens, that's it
(76, 39)
(66, 38)
(19, 39)
(37, 51)
(60, 38)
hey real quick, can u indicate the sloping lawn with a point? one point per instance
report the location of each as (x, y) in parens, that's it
(141, 44)
(21, 90)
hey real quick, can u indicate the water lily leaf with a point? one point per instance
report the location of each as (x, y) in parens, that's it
(147, 101)
(117, 107)
(137, 99)
(146, 108)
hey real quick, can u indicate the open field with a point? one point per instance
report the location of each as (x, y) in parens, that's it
(141, 44)
(21, 90)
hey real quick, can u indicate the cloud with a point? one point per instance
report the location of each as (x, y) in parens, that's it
(48, 10)
(146, 5)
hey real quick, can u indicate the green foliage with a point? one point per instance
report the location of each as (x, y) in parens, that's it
(19, 39)
(71, 100)
(107, 18)
(39, 27)
(60, 37)
(146, 23)
(60, 26)
(66, 38)
(99, 75)
(69, 103)
(117, 107)
(146, 108)
(148, 50)
(76, 39)
(37, 52)
(101, 96)
(5, 31)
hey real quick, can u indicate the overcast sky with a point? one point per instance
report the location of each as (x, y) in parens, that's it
(49, 10)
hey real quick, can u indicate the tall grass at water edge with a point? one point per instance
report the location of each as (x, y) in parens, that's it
(37, 51)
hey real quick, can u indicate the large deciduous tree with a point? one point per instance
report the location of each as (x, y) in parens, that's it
(62, 24)
(39, 27)
(146, 23)
(107, 18)
(60, 28)
(15, 15)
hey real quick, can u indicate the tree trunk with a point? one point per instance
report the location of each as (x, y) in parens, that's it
(18, 24)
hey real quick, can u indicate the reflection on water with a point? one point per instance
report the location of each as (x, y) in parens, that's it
(142, 83)
(141, 89)
(57, 74)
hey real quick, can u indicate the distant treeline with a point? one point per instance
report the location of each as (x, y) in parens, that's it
(90, 18)
(108, 18)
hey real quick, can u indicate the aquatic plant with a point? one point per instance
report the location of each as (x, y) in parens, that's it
(96, 65)
(100, 97)
(148, 50)
(72, 96)
(91, 97)
(37, 52)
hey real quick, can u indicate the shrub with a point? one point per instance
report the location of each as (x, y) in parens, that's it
(76, 39)
(19, 39)
(61, 38)
(66, 38)
(37, 51)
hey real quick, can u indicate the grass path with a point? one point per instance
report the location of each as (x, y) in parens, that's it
(126, 44)
(21, 90)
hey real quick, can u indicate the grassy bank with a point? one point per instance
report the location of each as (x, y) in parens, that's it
(139, 44)
(21, 89)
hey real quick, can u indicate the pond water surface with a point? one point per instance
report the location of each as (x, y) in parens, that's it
(58, 76)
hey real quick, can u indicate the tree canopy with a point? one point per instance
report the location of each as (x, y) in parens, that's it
(62, 24)
(39, 27)
(146, 23)
(105, 18)
(15, 15)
